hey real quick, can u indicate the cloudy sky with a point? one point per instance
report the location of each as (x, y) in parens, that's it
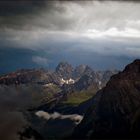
(102, 34)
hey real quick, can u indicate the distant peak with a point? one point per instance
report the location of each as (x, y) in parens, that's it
(63, 64)
(64, 70)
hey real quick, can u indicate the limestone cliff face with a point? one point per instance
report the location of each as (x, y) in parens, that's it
(115, 109)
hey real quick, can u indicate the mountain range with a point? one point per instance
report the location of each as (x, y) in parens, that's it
(78, 103)
(63, 72)
(60, 85)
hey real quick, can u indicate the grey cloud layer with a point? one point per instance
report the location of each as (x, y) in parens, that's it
(79, 15)
(63, 29)
(87, 18)
(91, 18)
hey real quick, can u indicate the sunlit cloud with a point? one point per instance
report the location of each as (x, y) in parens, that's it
(114, 32)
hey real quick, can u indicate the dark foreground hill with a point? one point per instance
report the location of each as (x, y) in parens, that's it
(115, 110)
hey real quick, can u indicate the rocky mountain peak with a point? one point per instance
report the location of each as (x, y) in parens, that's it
(64, 70)
(79, 70)
(131, 72)
(82, 70)
(88, 70)
(133, 67)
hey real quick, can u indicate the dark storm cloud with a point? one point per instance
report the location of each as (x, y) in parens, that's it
(29, 15)
(53, 15)
(65, 15)
(16, 7)
(15, 13)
